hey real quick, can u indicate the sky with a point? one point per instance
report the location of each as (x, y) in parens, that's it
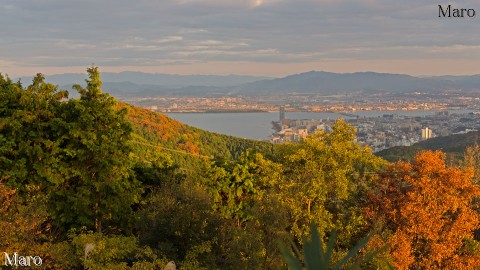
(246, 37)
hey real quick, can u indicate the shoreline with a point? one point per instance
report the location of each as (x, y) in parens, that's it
(302, 111)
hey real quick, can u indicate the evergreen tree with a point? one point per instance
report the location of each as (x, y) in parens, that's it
(30, 133)
(99, 188)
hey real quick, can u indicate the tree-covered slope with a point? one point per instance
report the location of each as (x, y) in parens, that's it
(454, 146)
(182, 141)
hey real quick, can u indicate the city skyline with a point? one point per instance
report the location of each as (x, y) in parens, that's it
(256, 37)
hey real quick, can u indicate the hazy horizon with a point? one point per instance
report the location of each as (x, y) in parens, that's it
(232, 74)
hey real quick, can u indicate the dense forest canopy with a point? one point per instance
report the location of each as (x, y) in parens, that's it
(91, 183)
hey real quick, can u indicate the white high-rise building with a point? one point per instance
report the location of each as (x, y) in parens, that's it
(426, 133)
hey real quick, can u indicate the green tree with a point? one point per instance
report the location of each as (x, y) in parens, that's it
(30, 133)
(236, 186)
(99, 187)
(99, 251)
(327, 176)
(177, 223)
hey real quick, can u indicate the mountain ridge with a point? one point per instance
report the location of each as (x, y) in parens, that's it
(311, 82)
(169, 80)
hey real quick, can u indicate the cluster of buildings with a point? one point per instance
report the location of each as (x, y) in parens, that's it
(381, 132)
(295, 130)
(200, 104)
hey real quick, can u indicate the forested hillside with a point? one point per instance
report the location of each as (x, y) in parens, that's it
(90, 183)
(180, 140)
(454, 146)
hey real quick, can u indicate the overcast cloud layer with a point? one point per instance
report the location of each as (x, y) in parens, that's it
(257, 37)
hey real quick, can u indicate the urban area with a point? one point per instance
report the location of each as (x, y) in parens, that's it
(381, 132)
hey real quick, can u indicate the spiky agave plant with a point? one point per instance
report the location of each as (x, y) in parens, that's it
(315, 257)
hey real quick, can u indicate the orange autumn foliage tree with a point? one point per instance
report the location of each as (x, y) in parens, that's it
(426, 210)
(168, 131)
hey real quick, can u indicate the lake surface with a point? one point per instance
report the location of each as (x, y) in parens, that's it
(258, 125)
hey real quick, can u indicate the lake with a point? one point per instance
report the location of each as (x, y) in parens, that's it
(258, 125)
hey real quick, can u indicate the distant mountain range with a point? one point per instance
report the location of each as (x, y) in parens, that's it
(150, 85)
(334, 83)
(157, 79)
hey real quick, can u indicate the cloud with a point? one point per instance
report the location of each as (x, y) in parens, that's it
(256, 3)
(217, 3)
(168, 39)
(121, 32)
